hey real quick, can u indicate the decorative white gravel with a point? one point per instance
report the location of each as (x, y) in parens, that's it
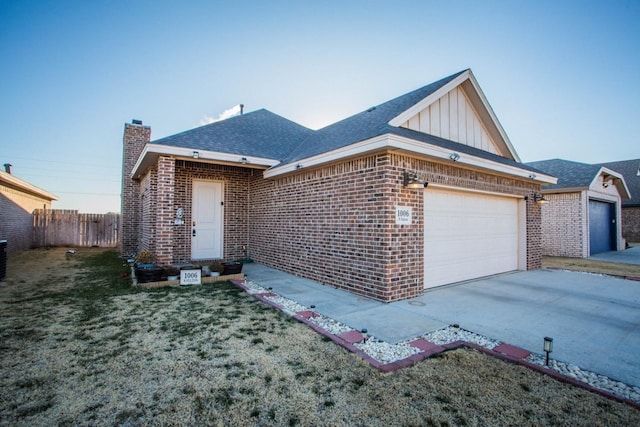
(386, 353)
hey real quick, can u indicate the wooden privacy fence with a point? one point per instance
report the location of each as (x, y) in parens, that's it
(59, 227)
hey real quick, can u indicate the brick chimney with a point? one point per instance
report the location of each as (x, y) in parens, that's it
(136, 136)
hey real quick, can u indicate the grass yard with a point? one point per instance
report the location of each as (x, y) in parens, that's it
(592, 266)
(80, 346)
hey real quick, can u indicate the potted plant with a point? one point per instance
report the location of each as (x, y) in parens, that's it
(216, 268)
(172, 273)
(146, 269)
(232, 267)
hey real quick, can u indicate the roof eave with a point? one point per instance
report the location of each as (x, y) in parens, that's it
(26, 187)
(400, 143)
(151, 152)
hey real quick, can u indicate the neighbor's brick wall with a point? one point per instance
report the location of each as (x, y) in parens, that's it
(16, 219)
(631, 224)
(564, 226)
(133, 142)
(336, 224)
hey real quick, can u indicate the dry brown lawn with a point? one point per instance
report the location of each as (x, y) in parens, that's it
(80, 346)
(592, 266)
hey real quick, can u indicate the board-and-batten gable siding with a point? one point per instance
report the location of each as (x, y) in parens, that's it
(453, 117)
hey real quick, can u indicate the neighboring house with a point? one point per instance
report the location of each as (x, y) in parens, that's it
(583, 216)
(630, 170)
(417, 192)
(18, 200)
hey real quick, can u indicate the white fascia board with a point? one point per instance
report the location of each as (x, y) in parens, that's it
(152, 151)
(467, 75)
(396, 142)
(23, 185)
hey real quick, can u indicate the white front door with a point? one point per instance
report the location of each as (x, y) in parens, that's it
(207, 220)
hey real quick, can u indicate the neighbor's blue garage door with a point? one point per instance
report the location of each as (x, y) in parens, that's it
(602, 227)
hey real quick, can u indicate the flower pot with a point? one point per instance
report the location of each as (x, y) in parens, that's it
(147, 275)
(231, 268)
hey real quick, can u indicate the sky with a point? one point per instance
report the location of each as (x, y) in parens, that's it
(561, 76)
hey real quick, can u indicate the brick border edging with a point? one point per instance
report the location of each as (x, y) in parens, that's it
(418, 357)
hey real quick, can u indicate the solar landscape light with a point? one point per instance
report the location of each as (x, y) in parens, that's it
(548, 348)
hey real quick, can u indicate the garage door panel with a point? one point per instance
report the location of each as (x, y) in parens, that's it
(468, 235)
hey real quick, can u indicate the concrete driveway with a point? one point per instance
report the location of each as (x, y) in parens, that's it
(593, 319)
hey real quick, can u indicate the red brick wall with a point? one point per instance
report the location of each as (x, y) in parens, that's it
(133, 142)
(336, 224)
(236, 199)
(631, 224)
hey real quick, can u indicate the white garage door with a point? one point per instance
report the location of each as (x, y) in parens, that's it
(468, 235)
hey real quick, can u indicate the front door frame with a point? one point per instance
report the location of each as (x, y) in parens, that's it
(216, 253)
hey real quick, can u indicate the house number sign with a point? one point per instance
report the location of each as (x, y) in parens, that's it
(403, 215)
(191, 277)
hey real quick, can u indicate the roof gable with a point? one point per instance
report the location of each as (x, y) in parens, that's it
(630, 169)
(459, 111)
(395, 115)
(580, 176)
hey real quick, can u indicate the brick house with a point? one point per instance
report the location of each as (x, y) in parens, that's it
(630, 170)
(419, 191)
(583, 216)
(18, 200)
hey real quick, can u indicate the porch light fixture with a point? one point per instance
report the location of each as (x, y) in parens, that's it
(196, 155)
(548, 348)
(539, 199)
(455, 157)
(410, 180)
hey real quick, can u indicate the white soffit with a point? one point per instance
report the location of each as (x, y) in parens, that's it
(463, 78)
(151, 152)
(390, 141)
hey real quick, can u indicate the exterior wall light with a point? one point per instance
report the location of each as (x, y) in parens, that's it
(410, 180)
(539, 199)
(455, 157)
(196, 155)
(548, 348)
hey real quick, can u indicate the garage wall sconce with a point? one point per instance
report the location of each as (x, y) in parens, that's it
(196, 155)
(455, 157)
(411, 180)
(539, 199)
(548, 348)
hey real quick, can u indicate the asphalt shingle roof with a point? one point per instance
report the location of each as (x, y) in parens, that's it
(265, 134)
(570, 174)
(364, 125)
(630, 169)
(259, 133)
